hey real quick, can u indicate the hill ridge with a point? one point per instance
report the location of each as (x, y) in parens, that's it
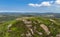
(32, 27)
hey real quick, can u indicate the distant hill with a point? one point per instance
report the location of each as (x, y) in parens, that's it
(30, 27)
(48, 14)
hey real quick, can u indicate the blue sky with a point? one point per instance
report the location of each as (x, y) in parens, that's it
(30, 5)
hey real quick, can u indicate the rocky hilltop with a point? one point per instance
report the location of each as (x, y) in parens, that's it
(30, 27)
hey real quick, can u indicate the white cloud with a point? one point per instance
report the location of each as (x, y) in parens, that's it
(45, 4)
(39, 5)
(57, 1)
(34, 5)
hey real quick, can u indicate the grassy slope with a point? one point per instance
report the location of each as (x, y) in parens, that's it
(19, 27)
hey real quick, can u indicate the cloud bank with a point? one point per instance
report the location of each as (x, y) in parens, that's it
(45, 3)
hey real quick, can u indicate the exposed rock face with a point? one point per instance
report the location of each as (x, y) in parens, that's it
(58, 35)
(28, 34)
(52, 20)
(45, 28)
(27, 22)
(29, 26)
(9, 26)
(40, 33)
